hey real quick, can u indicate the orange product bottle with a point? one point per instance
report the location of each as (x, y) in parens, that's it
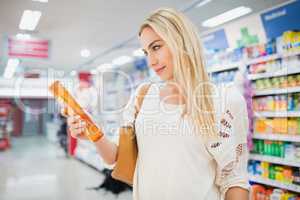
(62, 95)
(257, 192)
(288, 175)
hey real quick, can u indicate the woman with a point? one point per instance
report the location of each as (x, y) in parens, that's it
(191, 138)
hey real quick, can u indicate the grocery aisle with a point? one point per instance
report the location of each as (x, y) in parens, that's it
(254, 45)
(36, 169)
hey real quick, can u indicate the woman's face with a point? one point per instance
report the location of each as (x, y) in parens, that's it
(158, 53)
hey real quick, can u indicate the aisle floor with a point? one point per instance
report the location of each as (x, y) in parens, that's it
(36, 169)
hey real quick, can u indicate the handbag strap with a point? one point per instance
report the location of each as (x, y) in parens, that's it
(140, 98)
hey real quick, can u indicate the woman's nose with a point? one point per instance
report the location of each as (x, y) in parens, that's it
(152, 60)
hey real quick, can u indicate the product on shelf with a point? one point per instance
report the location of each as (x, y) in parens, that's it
(291, 41)
(277, 82)
(290, 102)
(288, 42)
(259, 192)
(270, 148)
(275, 65)
(223, 77)
(280, 173)
(278, 125)
(261, 50)
(286, 150)
(223, 57)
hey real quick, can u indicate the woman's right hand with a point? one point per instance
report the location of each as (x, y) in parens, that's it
(107, 149)
(76, 125)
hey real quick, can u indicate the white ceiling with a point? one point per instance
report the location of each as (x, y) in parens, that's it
(98, 25)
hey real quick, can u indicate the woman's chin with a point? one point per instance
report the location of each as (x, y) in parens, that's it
(164, 76)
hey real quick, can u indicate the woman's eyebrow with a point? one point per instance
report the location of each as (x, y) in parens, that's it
(151, 44)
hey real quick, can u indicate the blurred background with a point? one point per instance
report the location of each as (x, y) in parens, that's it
(92, 47)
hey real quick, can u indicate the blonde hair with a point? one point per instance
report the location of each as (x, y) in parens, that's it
(189, 71)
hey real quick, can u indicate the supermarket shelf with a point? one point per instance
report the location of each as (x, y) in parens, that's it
(282, 72)
(226, 67)
(273, 183)
(26, 93)
(275, 160)
(263, 59)
(278, 114)
(29, 87)
(272, 57)
(276, 91)
(277, 137)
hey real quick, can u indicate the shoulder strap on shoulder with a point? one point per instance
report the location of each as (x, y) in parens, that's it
(140, 97)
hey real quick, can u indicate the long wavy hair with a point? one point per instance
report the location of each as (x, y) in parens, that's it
(189, 72)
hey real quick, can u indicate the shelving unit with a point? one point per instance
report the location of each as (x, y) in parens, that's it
(282, 72)
(273, 183)
(33, 88)
(276, 91)
(277, 137)
(277, 114)
(272, 57)
(275, 160)
(226, 67)
(269, 114)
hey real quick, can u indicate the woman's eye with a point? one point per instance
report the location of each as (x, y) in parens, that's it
(156, 47)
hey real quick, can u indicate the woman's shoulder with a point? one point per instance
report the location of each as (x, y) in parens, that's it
(143, 87)
(149, 87)
(230, 94)
(229, 97)
(234, 95)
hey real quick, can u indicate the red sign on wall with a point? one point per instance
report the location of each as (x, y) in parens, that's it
(29, 48)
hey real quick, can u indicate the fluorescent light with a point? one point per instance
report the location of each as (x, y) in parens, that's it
(11, 67)
(85, 53)
(226, 16)
(30, 20)
(104, 66)
(22, 36)
(122, 60)
(203, 3)
(138, 53)
(42, 1)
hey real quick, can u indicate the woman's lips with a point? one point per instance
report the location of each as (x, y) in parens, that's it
(159, 70)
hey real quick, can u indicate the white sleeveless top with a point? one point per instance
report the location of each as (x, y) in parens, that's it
(174, 163)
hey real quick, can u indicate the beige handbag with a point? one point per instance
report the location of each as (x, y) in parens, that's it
(128, 149)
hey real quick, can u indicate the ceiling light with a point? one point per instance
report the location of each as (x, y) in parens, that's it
(22, 36)
(29, 20)
(138, 53)
(85, 53)
(104, 66)
(203, 3)
(226, 16)
(42, 1)
(122, 60)
(11, 67)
